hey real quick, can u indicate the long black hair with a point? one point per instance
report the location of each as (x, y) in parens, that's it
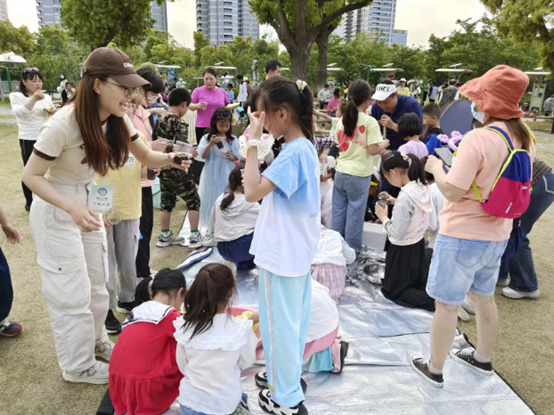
(221, 114)
(235, 181)
(408, 162)
(358, 92)
(167, 281)
(29, 74)
(208, 292)
(211, 71)
(282, 93)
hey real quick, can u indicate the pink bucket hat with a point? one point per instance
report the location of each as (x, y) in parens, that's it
(498, 92)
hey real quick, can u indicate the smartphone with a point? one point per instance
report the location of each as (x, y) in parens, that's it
(445, 155)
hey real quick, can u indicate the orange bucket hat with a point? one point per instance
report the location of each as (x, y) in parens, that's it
(498, 92)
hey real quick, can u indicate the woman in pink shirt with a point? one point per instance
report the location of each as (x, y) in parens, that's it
(207, 99)
(471, 242)
(334, 103)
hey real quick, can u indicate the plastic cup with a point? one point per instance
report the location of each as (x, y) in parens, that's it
(382, 203)
(114, 218)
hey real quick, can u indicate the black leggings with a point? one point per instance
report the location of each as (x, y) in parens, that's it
(142, 261)
(26, 147)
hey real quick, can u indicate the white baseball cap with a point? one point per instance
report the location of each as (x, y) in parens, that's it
(403, 80)
(245, 78)
(383, 91)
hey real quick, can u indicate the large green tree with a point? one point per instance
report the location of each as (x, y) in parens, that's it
(200, 42)
(17, 40)
(299, 23)
(56, 53)
(524, 20)
(155, 37)
(96, 23)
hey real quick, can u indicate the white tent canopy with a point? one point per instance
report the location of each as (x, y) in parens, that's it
(454, 70)
(11, 57)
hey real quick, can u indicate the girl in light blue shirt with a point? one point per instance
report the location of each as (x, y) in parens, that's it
(286, 236)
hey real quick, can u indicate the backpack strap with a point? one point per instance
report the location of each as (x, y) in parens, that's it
(510, 146)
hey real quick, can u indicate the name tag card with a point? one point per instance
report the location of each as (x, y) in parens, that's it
(130, 160)
(101, 198)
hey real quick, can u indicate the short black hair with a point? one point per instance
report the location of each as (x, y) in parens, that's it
(178, 96)
(336, 92)
(155, 80)
(326, 86)
(272, 66)
(239, 77)
(409, 125)
(432, 109)
(211, 71)
(229, 85)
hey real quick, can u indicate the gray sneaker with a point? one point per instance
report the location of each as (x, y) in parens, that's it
(98, 374)
(169, 239)
(104, 349)
(196, 240)
(517, 295)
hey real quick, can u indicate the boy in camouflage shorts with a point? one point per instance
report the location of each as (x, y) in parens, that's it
(174, 182)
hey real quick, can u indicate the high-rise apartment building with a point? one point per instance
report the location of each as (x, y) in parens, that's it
(48, 12)
(159, 14)
(222, 20)
(377, 19)
(3, 10)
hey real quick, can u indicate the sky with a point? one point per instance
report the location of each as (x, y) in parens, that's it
(420, 17)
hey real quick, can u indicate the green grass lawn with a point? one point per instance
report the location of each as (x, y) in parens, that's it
(30, 377)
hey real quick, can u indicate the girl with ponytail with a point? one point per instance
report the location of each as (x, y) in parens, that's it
(359, 139)
(233, 221)
(414, 213)
(213, 346)
(144, 376)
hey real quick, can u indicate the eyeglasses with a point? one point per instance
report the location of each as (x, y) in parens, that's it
(30, 70)
(129, 92)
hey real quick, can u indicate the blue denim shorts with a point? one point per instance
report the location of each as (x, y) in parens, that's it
(463, 265)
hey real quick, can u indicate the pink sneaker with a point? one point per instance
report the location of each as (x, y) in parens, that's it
(10, 328)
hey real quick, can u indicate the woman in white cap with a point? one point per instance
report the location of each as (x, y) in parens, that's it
(402, 89)
(89, 136)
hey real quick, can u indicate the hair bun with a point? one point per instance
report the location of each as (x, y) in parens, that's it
(301, 85)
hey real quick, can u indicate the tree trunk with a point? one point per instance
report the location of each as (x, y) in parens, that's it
(322, 42)
(299, 61)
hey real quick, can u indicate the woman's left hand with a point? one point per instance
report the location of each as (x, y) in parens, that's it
(230, 156)
(381, 212)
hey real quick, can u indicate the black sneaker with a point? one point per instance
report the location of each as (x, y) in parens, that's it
(466, 357)
(124, 308)
(113, 326)
(261, 381)
(421, 366)
(267, 405)
(343, 352)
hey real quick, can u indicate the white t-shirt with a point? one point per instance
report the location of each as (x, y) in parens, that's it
(287, 230)
(212, 361)
(333, 249)
(324, 314)
(333, 130)
(438, 200)
(30, 121)
(60, 140)
(327, 185)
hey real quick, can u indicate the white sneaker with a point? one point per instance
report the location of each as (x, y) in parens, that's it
(169, 239)
(468, 305)
(196, 240)
(98, 374)
(463, 315)
(104, 349)
(518, 295)
(504, 282)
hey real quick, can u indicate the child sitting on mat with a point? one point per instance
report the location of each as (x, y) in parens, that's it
(144, 376)
(413, 214)
(331, 258)
(213, 346)
(233, 221)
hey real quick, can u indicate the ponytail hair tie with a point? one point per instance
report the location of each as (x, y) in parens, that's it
(300, 84)
(406, 158)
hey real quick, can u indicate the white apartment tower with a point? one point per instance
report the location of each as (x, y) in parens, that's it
(3, 10)
(222, 20)
(379, 19)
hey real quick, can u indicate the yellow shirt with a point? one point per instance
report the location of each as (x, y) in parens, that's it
(354, 158)
(126, 183)
(403, 91)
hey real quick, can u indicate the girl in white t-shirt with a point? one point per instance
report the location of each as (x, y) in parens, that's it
(31, 107)
(213, 346)
(286, 235)
(82, 140)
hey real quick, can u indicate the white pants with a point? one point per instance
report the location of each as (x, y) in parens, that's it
(74, 272)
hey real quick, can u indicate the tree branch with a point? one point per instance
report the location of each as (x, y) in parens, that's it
(301, 12)
(281, 26)
(326, 21)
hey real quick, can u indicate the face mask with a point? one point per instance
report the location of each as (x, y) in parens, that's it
(478, 115)
(62, 77)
